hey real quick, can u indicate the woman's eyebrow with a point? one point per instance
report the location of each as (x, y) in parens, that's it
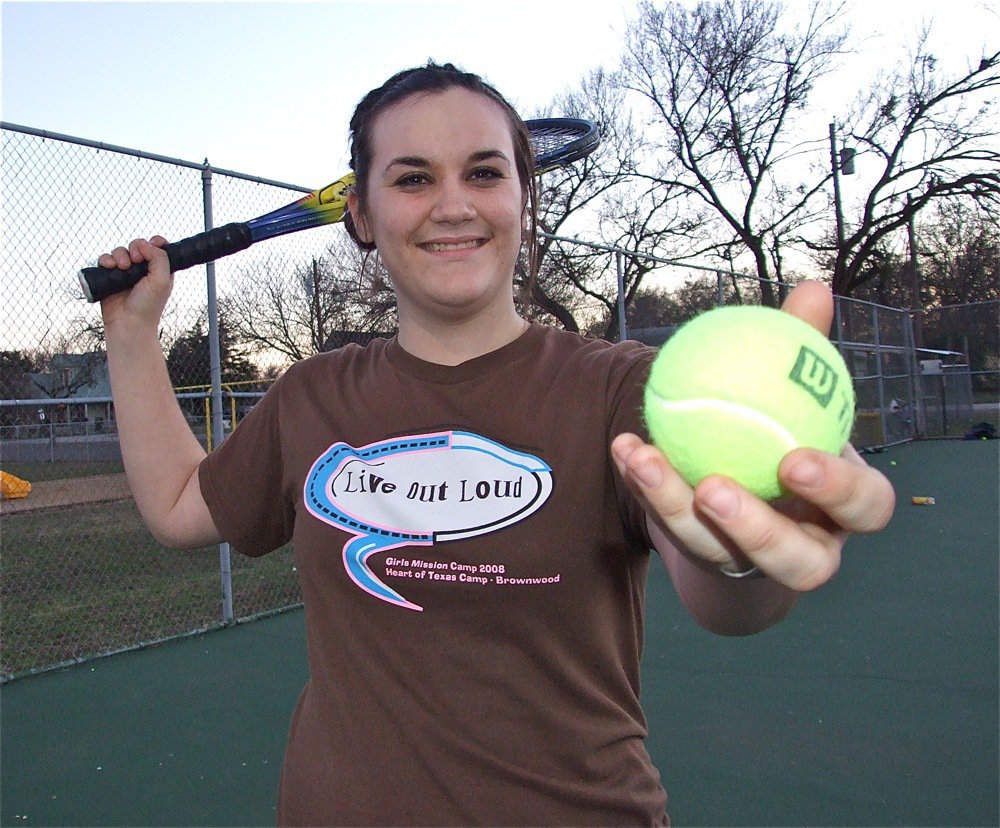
(423, 163)
(408, 161)
(488, 155)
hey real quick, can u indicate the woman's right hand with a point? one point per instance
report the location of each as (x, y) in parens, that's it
(144, 302)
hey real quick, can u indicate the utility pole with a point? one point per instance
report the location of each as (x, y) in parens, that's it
(840, 162)
(835, 166)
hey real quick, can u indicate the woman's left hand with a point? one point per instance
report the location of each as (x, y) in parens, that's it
(796, 540)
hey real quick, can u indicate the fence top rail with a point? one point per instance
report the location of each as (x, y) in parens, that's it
(51, 402)
(149, 156)
(978, 304)
(638, 254)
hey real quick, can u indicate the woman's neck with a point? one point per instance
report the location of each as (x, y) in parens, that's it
(452, 342)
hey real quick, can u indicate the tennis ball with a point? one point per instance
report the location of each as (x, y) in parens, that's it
(736, 388)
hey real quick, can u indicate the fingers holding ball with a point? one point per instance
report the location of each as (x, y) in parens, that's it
(737, 388)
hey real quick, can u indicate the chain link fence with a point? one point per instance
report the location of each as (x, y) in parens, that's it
(925, 374)
(80, 574)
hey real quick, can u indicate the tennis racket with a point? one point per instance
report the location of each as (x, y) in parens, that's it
(555, 141)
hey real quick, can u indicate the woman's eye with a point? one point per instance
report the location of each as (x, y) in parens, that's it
(411, 180)
(486, 174)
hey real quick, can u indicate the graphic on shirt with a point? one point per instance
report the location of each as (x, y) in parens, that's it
(418, 491)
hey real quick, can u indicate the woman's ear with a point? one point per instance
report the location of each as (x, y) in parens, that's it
(360, 225)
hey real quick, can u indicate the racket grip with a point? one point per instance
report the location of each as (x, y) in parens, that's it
(98, 283)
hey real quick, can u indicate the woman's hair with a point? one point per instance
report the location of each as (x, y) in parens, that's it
(437, 78)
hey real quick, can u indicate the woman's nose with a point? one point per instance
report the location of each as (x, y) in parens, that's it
(454, 203)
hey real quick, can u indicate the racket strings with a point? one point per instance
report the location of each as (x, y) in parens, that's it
(563, 142)
(545, 141)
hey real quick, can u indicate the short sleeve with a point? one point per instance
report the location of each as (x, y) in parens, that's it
(625, 414)
(242, 481)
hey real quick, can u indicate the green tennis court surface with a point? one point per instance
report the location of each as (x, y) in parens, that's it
(874, 704)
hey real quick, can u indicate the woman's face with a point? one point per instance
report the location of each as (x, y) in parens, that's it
(444, 204)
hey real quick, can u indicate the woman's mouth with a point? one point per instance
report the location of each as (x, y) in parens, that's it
(449, 246)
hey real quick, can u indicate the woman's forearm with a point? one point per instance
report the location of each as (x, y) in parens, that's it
(721, 604)
(160, 452)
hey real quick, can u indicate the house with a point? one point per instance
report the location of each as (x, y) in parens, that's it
(79, 379)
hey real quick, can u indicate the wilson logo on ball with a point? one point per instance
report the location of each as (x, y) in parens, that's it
(814, 375)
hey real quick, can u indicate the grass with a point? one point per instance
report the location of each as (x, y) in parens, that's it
(90, 579)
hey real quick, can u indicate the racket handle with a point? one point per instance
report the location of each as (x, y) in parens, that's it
(98, 283)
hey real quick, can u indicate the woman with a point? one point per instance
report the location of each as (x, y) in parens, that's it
(470, 503)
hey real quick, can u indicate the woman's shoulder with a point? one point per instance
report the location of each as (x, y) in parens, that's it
(348, 357)
(570, 344)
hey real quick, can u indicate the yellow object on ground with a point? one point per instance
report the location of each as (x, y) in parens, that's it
(12, 487)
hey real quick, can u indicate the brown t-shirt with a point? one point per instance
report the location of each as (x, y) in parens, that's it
(473, 572)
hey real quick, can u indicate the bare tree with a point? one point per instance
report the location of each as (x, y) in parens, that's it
(189, 356)
(604, 200)
(721, 83)
(929, 138)
(293, 308)
(570, 198)
(959, 253)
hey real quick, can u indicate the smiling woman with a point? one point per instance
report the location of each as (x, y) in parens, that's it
(444, 203)
(471, 503)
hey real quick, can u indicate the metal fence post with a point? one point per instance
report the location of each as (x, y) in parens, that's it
(215, 370)
(914, 387)
(622, 330)
(880, 371)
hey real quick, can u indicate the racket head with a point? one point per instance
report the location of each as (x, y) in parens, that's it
(561, 141)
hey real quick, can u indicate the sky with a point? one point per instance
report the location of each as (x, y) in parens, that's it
(267, 88)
